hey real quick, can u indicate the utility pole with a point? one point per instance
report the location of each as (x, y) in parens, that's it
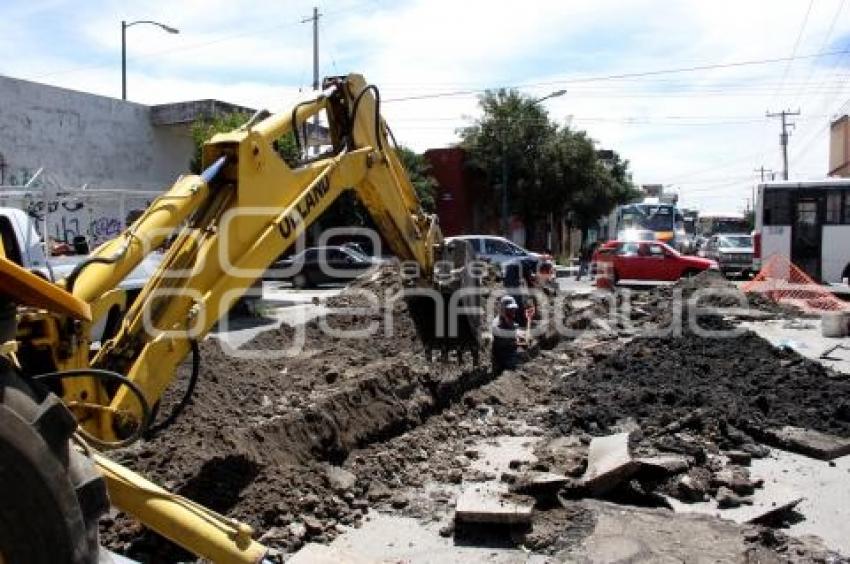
(315, 19)
(764, 172)
(783, 137)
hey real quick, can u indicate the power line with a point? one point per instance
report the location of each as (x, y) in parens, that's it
(694, 68)
(824, 43)
(248, 33)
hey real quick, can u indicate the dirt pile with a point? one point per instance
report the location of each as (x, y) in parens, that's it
(696, 396)
(741, 379)
(264, 430)
(300, 446)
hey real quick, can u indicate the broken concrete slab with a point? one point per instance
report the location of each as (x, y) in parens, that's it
(663, 465)
(761, 507)
(608, 463)
(486, 505)
(543, 486)
(808, 442)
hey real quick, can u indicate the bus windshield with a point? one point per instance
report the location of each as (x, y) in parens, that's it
(719, 225)
(649, 217)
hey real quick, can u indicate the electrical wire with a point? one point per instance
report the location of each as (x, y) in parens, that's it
(675, 70)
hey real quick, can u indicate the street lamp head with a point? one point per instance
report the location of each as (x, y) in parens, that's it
(162, 26)
(557, 93)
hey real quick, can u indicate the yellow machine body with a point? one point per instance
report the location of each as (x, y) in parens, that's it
(220, 231)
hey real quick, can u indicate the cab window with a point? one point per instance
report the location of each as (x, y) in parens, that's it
(656, 251)
(497, 247)
(628, 250)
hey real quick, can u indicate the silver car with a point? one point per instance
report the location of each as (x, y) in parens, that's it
(499, 250)
(733, 252)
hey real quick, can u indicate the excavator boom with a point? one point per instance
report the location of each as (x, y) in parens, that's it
(221, 230)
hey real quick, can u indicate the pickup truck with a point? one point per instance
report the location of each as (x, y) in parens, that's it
(23, 245)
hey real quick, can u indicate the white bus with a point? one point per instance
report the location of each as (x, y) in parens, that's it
(648, 220)
(807, 222)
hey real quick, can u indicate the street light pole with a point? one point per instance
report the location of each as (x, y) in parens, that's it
(505, 200)
(124, 26)
(123, 60)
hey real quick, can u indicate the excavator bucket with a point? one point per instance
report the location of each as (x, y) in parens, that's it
(448, 316)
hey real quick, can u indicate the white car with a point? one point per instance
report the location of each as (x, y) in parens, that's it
(499, 250)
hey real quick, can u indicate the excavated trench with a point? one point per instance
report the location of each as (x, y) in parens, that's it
(299, 447)
(255, 440)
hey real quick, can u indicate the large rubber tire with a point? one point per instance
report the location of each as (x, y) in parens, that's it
(51, 495)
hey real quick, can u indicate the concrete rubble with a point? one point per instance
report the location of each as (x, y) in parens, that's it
(810, 442)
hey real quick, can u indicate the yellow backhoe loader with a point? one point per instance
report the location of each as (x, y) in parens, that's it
(64, 402)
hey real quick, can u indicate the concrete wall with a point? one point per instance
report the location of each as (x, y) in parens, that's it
(81, 138)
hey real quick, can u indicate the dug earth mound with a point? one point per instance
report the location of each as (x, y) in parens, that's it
(302, 447)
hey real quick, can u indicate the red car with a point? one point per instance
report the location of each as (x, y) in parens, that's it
(645, 260)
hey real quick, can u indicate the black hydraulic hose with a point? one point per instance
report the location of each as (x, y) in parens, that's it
(295, 124)
(72, 277)
(356, 105)
(115, 377)
(187, 395)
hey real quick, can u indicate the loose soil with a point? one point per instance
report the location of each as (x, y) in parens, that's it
(300, 447)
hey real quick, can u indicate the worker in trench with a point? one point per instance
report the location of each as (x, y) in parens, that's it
(505, 336)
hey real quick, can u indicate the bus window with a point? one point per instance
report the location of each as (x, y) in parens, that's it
(846, 207)
(833, 207)
(777, 209)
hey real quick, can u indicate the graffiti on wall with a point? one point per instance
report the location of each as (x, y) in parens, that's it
(65, 218)
(61, 214)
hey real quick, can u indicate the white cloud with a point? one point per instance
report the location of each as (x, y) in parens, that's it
(259, 54)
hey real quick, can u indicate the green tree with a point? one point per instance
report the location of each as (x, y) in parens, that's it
(549, 168)
(419, 171)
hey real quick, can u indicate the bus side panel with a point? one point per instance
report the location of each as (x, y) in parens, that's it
(835, 252)
(775, 239)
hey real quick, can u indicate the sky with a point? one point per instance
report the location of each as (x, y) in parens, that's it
(679, 88)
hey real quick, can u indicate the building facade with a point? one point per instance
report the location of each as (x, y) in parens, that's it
(55, 143)
(839, 147)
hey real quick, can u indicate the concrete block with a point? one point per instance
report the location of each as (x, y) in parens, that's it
(808, 442)
(540, 485)
(482, 505)
(608, 463)
(663, 465)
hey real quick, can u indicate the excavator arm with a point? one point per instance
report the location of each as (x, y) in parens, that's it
(239, 216)
(221, 230)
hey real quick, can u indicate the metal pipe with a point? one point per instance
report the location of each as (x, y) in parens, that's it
(276, 125)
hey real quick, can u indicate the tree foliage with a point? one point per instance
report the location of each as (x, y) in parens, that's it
(549, 168)
(419, 171)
